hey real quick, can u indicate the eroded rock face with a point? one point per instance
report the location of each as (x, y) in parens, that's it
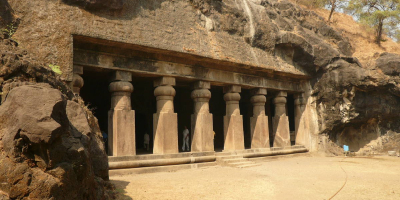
(298, 36)
(355, 104)
(48, 148)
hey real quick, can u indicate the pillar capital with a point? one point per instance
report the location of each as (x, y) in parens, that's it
(259, 91)
(78, 70)
(202, 85)
(232, 89)
(281, 94)
(165, 80)
(299, 99)
(121, 76)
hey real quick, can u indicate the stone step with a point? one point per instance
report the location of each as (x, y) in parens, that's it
(169, 168)
(233, 160)
(248, 165)
(222, 158)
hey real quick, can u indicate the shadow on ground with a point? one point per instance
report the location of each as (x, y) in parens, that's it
(120, 189)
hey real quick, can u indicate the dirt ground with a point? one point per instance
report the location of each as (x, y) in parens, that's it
(301, 176)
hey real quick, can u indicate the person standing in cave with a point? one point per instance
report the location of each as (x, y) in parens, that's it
(185, 139)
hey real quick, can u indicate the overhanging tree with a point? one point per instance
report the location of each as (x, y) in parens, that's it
(382, 15)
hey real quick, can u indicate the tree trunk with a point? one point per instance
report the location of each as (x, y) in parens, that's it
(379, 32)
(332, 10)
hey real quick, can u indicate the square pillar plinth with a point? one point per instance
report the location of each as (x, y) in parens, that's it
(165, 133)
(233, 133)
(259, 132)
(121, 129)
(281, 131)
(202, 132)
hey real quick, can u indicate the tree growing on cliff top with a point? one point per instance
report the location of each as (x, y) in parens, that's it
(382, 15)
(332, 4)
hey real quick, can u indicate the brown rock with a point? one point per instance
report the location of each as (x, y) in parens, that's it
(49, 146)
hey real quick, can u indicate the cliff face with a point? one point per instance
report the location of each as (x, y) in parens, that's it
(354, 104)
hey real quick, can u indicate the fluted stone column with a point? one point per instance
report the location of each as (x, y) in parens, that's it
(259, 122)
(233, 121)
(202, 119)
(299, 105)
(121, 117)
(281, 121)
(165, 121)
(77, 80)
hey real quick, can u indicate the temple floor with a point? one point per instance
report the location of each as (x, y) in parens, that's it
(302, 176)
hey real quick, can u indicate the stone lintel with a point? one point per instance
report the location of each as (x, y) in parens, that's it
(121, 76)
(259, 91)
(78, 70)
(202, 85)
(282, 94)
(165, 80)
(232, 89)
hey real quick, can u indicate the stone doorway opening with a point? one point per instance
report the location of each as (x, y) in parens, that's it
(96, 95)
(217, 109)
(183, 105)
(246, 110)
(290, 114)
(144, 104)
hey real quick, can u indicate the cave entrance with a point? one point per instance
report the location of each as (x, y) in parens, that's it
(144, 104)
(217, 109)
(96, 96)
(246, 110)
(183, 105)
(270, 112)
(290, 114)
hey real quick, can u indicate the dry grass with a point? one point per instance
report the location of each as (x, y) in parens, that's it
(360, 36)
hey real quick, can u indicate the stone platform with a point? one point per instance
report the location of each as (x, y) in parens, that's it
(122, 165)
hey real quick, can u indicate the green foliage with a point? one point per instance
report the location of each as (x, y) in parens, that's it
(382, 15)
(56, 69)
(9, 30)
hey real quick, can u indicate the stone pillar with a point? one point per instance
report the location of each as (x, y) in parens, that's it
(202, 120)
(259, 122)
(281, 121)
(165, 121)
(121, 117)
(298, 113)
(233, 121)
(77, 80)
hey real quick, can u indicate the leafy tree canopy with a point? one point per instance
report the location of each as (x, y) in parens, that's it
(382, 15)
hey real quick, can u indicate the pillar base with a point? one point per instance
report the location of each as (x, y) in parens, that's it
(202, 132)
(121, 133)
(165, 133)
(233, 133)
(281, 131)
(259, 132)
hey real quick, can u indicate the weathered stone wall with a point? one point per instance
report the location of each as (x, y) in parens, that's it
(248, 32)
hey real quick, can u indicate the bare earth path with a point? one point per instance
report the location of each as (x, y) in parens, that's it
(286, 177)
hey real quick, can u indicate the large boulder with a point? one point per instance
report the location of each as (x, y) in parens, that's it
(49, 147)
